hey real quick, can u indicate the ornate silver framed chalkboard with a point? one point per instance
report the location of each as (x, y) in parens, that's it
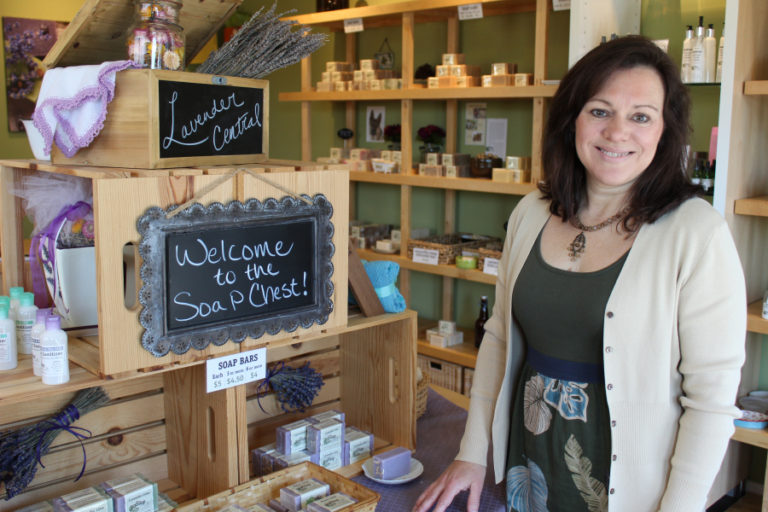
(227, 272)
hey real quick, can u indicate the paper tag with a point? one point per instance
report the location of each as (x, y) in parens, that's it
(491, 266)
(470, 12)
(561, 5)
(229, 371)
(353, 25)
(428, 256)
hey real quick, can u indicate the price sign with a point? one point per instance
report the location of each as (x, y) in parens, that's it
(470, 12)
(491, 266)
(428, 256)
(561, 5)
(233, 370)
(353, 25)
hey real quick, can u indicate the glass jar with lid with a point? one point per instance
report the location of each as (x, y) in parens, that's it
(156, 44)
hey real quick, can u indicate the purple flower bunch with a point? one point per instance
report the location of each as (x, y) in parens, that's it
(392, 133)
(295, 388)
(431, 134)
(21, 450)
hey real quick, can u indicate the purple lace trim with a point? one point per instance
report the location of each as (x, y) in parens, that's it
(104, 92)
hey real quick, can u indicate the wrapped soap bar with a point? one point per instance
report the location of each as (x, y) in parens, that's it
(296, 496)
(258, 456)
(164, 503)
(92, 499)
(331, 414)
(292, 437)
(358, 445)
(132, 493)
(325, 434)
(281, 461)
(392, 464)
(332, 503)
(331, 458)
(43, 506)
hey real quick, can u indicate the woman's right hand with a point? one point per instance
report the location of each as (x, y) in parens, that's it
(457, 477)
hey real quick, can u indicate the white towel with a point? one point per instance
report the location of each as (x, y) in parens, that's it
(72, 104)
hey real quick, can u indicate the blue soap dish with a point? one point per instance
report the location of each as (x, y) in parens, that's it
(752, 419)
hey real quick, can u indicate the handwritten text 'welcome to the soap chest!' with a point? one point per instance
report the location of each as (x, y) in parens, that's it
(236, 123)
(232, 279)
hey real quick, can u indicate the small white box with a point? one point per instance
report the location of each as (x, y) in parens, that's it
(444, 340)
(446, 327)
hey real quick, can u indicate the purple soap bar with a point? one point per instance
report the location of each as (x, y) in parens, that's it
(277, 506)
(392, 463)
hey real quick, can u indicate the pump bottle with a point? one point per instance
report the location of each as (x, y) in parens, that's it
(37, 332)
(685, 63)
(719, 70)
(54, 352)
(698, 60)
(25, 319)
(710, 54)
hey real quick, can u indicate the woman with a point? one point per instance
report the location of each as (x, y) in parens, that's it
(608, 373)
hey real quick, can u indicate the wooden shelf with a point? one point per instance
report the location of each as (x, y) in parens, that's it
(391, 14)
(443, 93)
(466, 184)
(751, 436)
(755, 321)
(756, 87)
(757, 206)
(464, 354)
(441, 270)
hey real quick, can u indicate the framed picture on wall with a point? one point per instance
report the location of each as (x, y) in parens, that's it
(26, 42)
(375, 121)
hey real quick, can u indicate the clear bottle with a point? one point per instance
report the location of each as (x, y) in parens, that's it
(710, 54)
(697, 172)
(719, 70)
(685, 63)
(54, 352)
(37, 332)
(481, 319)
(15, 294)
(25, 319)
(698, 61)
(8, 355)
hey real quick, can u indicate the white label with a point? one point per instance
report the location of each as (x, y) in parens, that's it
(353, 25)
(5, 349)
(561, 5)
(470, 12)
(141, 500)
(491, 266)
(428, 256)
(229, 371)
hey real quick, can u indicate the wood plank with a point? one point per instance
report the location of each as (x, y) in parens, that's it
(11, 238)
(467, 184)
(324, 362)
(361, 286)
(752, 437)
(756, 206)
(756, 87)
(755, 321)
(271, 408)
(442, 93)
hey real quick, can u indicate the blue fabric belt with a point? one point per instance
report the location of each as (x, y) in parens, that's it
(561, 369)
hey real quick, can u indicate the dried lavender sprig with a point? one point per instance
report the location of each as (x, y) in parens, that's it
(295, 388)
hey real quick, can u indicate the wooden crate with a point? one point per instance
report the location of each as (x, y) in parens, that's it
(261, 490)
(119, 200)
(441, 373)
(140, 131)
(492, 250)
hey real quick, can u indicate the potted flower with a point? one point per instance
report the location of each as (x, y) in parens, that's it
(432, 137)
(392, 136)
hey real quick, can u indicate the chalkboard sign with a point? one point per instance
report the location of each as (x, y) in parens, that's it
(227, 272)
(207, 120)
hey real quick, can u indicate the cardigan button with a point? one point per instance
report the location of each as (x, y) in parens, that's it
(613, 423)
(610, 387)
(612, 491)
(609, 314)
(608, 350)
(614, 457)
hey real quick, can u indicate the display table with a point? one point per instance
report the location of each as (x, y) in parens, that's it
(439, 432)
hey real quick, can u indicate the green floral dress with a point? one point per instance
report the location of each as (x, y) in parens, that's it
(560, 441)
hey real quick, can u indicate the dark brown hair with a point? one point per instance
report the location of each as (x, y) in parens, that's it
(663, 185)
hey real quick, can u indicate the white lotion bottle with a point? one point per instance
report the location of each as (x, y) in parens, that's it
(719, 70)
(698, 61)
(8, 357)
(710, 54)
(685, 63)
(37, 332)
(25, 319)
(54, 352)
(15, 293)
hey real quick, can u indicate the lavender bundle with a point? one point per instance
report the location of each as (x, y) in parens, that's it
(295, 388)
(264, 44)
(21, 450)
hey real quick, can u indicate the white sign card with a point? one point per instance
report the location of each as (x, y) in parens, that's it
(496, 137)
(428, 256)
(353, 25)
(474, 124)
(561, 5)
(236, 369)
(470, 12)
(491, 266)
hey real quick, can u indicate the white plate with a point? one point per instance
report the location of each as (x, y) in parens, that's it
(416, 469)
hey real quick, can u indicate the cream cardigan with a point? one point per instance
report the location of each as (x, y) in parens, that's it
(673, 347)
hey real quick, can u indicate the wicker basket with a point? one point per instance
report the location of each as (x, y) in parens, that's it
(492, 250)
(421, 394)
(448, 246)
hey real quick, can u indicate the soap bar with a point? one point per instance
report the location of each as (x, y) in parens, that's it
(132, 493)
(331, 459)
(392, 463)
(325, 434)
(332, 503)
(358, 445)
(258, 456)
(292, 437)
(92, 499)
(281, 461)
(296, 496)
(43, 506)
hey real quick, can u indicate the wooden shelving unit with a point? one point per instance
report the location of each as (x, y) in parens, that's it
(457, 93)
